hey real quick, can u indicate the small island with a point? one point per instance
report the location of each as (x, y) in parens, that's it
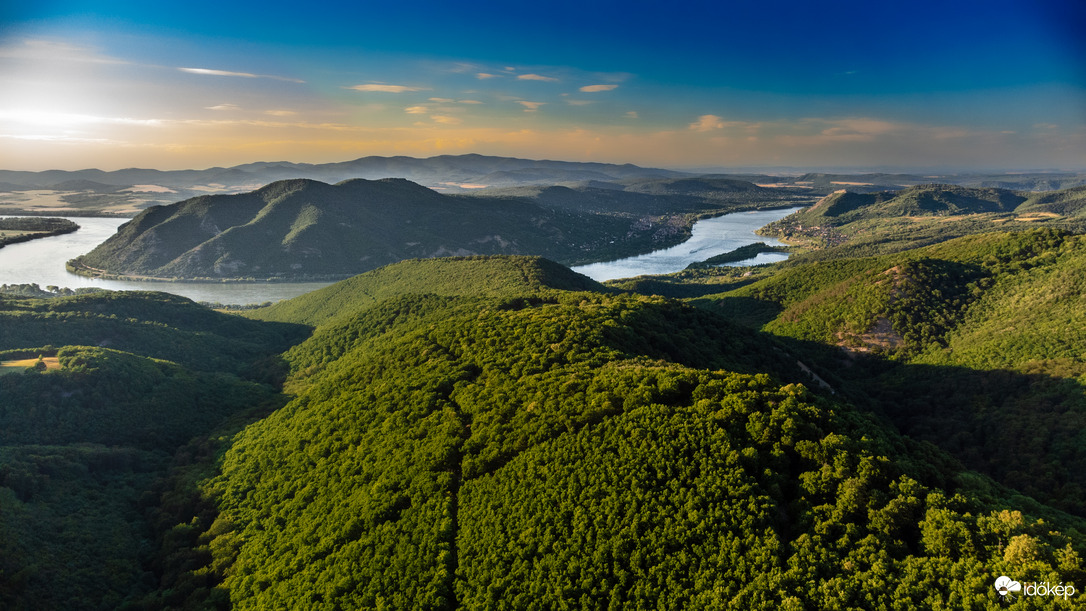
(24, 229)
(739, 254)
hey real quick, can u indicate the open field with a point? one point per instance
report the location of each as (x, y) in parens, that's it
(79, 203)
(18, 366)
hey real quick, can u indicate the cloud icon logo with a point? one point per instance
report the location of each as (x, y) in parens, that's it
(1005, 585)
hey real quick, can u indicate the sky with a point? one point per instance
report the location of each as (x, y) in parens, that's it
(947, 85)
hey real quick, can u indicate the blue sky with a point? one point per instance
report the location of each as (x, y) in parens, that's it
(987, 85)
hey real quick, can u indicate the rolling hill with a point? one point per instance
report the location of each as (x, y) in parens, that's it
(308, 229)
(303, 229)
(564, 447)
(947, 339)
(847, 224)
(499, 432)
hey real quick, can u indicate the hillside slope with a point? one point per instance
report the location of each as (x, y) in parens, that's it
(847, 224)
(84, 445)
(303, 229)
(464, 276)
(979, 330)
(562, 448)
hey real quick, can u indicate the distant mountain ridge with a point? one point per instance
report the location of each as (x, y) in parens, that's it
(443, 170)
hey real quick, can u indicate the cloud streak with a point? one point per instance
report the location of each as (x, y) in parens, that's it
(212, 72)
(536, 77)
(597, 88)
(382, 88)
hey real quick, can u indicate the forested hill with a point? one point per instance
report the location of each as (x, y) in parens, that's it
(847, 224)
(304, 229)
(575, 448)
(465, 276)
(513, 437)
(949, 338)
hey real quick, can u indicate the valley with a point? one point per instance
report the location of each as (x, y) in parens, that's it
(500, 431)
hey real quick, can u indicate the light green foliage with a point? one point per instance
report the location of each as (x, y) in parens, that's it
(469, 276)
(989, 333)
(507, 439)
(848, 224)
(588, 451)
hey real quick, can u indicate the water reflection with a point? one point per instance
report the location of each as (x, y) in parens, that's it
(710, 237)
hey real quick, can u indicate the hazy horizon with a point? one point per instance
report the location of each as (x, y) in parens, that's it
(772, 170)
(991, 86)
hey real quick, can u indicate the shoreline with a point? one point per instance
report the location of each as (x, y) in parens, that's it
(75, 267)
(34, 234)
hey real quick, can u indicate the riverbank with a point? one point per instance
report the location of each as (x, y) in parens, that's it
(21, 229)
(76, 266)
(709, 238)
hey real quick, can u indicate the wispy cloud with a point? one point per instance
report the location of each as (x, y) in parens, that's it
(858, 129)
(706, 123)
(579, 102)
(63, 119)
(382, 88)
(536, 77)
(224, 107)
(446, 120)
(596, 88)
(416, 110)
(212, 72)
(631, 114)
(485, 75)
(51, 50)
(530, 106)
(280, 113)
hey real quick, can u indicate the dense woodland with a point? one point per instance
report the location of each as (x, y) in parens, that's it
(499, 432)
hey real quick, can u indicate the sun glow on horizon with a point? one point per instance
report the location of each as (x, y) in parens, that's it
(95, 97)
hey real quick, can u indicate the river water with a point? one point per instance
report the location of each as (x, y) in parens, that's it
(709, 237)
(42, 261)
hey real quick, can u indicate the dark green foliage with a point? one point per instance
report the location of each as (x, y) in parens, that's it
(23, 229)
(82, 446)
(118, 399)
(157, 325)
(34, 291)
(70, 533)
(739, 254)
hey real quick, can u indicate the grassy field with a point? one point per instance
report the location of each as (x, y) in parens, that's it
(51, 362)
(8, 234)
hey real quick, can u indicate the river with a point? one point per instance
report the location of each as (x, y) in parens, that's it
(709, 237)
(42, 261)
